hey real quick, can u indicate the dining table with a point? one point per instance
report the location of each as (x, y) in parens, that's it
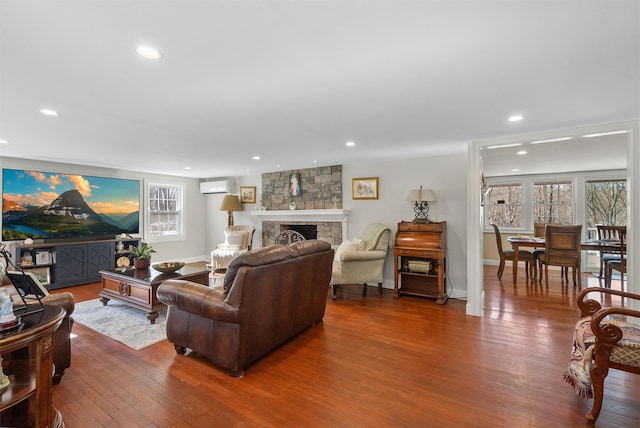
(538, 242)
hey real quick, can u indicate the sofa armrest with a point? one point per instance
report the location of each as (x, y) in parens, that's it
(198, 299)
(64, 299)
(352, 255)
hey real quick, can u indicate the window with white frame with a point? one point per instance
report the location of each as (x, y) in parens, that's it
(519, 202)
(606, 202)
(164, 211)
(553, 202)
(505, 205)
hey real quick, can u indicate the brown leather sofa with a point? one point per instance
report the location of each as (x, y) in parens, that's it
(269, 296)
(62, 336)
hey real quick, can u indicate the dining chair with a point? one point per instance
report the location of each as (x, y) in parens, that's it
(562, 248)
(538, 254)
(609, 233)
(523, 255)
(619, 264)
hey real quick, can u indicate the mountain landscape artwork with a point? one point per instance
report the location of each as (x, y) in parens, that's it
(43, 205)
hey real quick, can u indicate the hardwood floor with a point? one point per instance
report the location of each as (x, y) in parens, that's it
(374, 362)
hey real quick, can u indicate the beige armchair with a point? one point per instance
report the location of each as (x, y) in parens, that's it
(237, 240)
(360, 261)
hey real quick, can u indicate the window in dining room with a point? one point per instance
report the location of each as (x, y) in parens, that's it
(553, 202)
(606, 202)
(505, 205)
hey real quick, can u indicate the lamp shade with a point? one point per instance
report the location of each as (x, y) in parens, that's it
(230, 203)
(421, 195)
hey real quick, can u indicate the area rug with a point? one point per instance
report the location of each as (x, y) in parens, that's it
(121, 322)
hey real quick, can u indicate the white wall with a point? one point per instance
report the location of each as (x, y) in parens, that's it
(445, 175)
(216, 220)
(191, 249)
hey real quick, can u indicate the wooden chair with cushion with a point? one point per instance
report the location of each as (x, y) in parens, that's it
(609, 233)
(539, 230)
(604, 338)
(562, 248)
(523, 255)
(619, 264)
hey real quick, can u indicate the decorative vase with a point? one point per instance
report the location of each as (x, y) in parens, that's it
(142, 263)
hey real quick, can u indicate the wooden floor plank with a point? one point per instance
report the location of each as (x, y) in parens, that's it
(375, 361)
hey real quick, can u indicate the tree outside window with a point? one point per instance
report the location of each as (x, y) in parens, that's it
(505, 205)
(606, 202)
(553, 202)
(165, 213)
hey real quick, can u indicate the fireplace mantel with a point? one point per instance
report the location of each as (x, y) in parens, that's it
(303, 215)
(328, 216)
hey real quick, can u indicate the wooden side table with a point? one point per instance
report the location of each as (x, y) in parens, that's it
(420, 260)
(27, 353)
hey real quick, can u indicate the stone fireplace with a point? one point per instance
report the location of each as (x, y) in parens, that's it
(318, 205)
(330, 224)
(309, 231)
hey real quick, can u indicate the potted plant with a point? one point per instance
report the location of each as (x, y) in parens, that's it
(142, 256)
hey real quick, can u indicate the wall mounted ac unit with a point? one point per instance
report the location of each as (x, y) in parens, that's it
(220, 186)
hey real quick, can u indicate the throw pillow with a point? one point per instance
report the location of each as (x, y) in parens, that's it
(234, 240)
(353, 245)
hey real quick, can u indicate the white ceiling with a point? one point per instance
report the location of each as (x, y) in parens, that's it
(291, 81)
(579, 153)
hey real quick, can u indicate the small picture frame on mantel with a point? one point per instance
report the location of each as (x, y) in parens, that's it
(364, 188)
(248, 195)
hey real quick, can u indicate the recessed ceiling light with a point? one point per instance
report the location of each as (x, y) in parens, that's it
(49, 112)
(515, 170)
(315, 161)
(187, 167)
(350, 143)
(522, 152)
(515, 118)
(256, 158)
(148, 52)
(4, 142)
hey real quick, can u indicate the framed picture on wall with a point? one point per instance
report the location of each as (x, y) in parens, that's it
(248, 195)
(364, 188)
(294, 184)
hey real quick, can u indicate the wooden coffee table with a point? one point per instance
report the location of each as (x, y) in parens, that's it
(137, 287)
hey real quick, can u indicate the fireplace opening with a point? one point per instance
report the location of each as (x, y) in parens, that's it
(309, 231)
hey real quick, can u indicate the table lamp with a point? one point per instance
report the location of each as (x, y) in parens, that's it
(230, 203)
(421, 198)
